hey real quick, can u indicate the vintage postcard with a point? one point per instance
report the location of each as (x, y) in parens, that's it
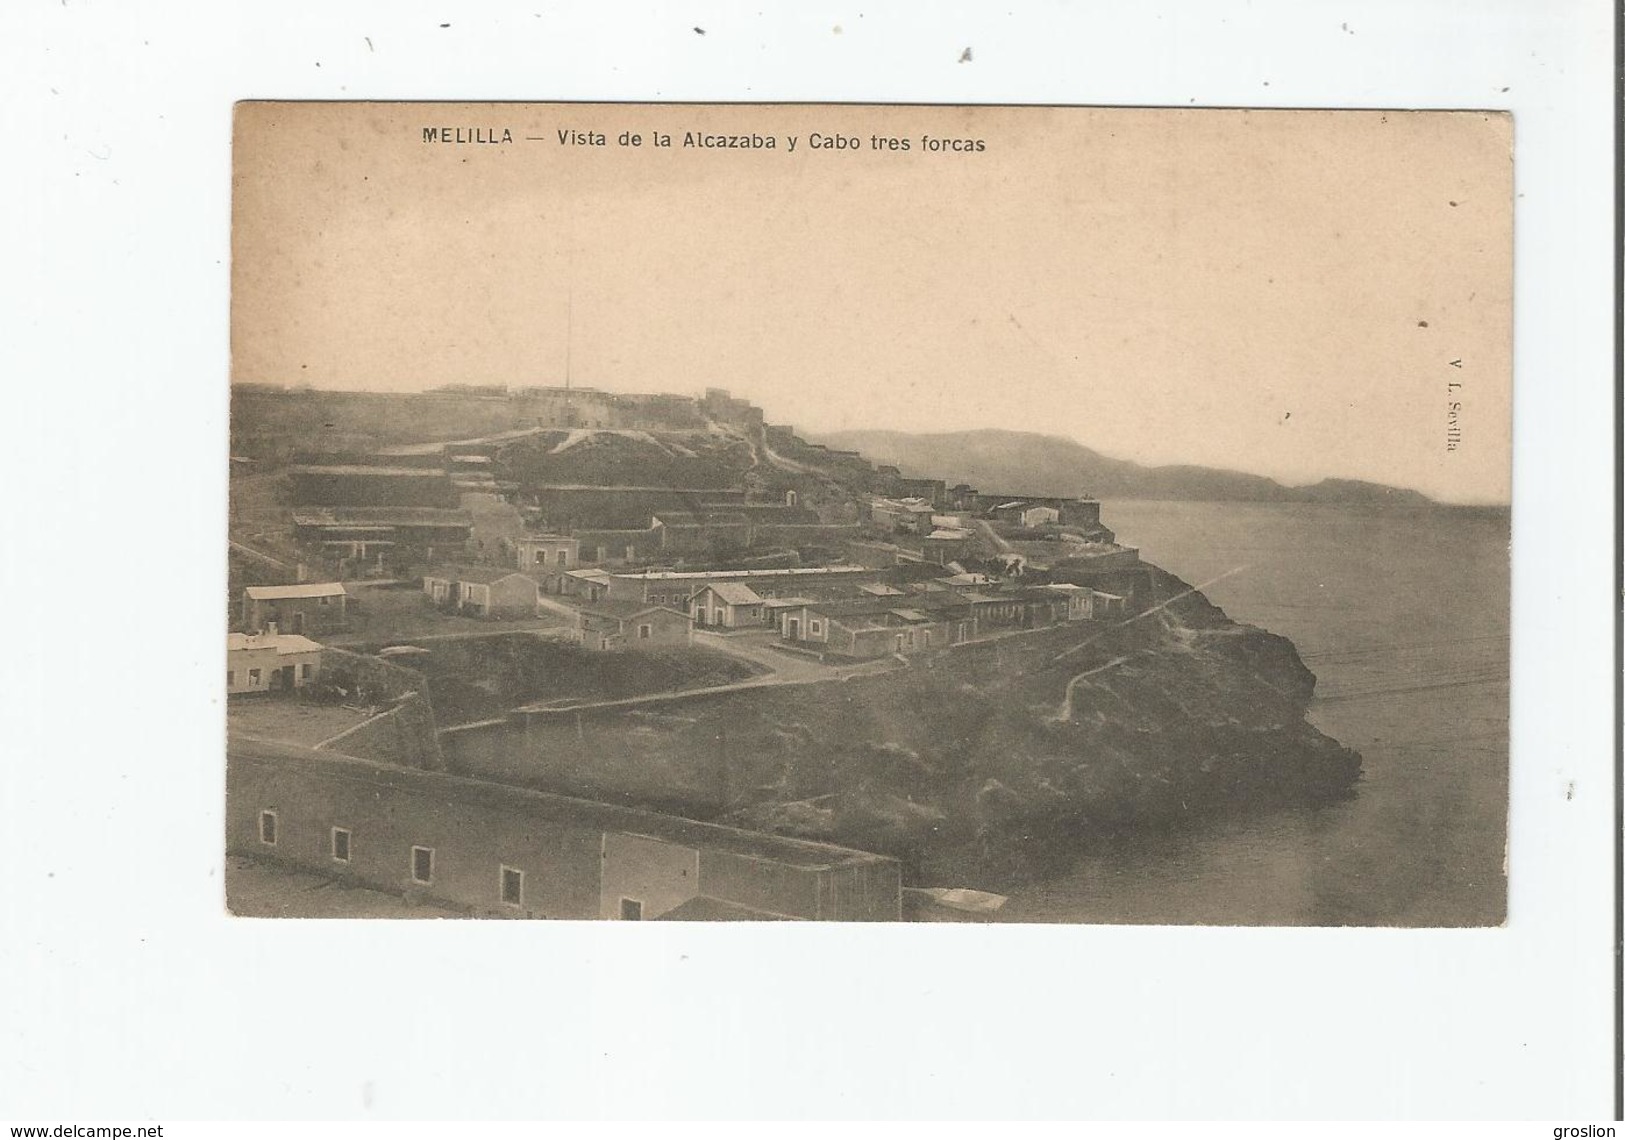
(878, 513)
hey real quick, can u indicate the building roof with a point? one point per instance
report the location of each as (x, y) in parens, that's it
(940, 600)
(854, 607)
(912, 506)
(698, 519)
(746, 575)
(592, 575)
(382, 516)
(880, 590)
(300, 590)
(587, 814)
(735, 593)
(545, 538)
(882, 619)
(481, 574)
(364, 469)
(626, 610)
(283, 643)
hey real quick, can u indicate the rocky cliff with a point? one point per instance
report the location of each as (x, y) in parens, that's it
(984, 762)
(1000, 757)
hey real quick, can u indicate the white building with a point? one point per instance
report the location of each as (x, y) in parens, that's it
(270, 662)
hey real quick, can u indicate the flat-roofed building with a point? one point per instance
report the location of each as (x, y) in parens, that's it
(365, 533)
(361, 485)
(548, 554)
(270, 662)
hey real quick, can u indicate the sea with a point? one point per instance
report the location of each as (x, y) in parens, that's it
(1403, 616)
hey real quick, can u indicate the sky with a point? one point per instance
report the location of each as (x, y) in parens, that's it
(1291, 293)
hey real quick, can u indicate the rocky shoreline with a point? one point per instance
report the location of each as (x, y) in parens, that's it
(983, 764)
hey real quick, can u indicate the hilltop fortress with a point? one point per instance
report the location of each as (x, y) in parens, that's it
(641, 479)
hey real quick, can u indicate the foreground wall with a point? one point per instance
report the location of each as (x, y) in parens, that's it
(387, 818)
(577, 859)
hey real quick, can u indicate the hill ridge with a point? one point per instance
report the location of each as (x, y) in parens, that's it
(1040, 463)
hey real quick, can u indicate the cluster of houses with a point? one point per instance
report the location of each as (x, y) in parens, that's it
(896, 583)
(933, 615)
(846, 611)
(927, 516)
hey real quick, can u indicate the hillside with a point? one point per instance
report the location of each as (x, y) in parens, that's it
(1034, 464)
(978, 766)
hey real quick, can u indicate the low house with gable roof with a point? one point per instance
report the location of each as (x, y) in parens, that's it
(611, 624)
(590, 584)
(484, 591)
(866, 628)
(305, 607)
(727, 605)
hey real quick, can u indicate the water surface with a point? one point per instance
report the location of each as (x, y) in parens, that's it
(1403, 617)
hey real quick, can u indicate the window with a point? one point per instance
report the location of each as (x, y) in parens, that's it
(231, 678)
(268, 828)
(341, 845)
(423, 864)
(657, 599)
(253, 676)
(513, 886)
(631, 910)
(306, 671)
(541, 557)
(644, 632)
(325, 600)
(815, 627)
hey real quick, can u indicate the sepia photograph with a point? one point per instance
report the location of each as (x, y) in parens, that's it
(869, 513)
(929, 564)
